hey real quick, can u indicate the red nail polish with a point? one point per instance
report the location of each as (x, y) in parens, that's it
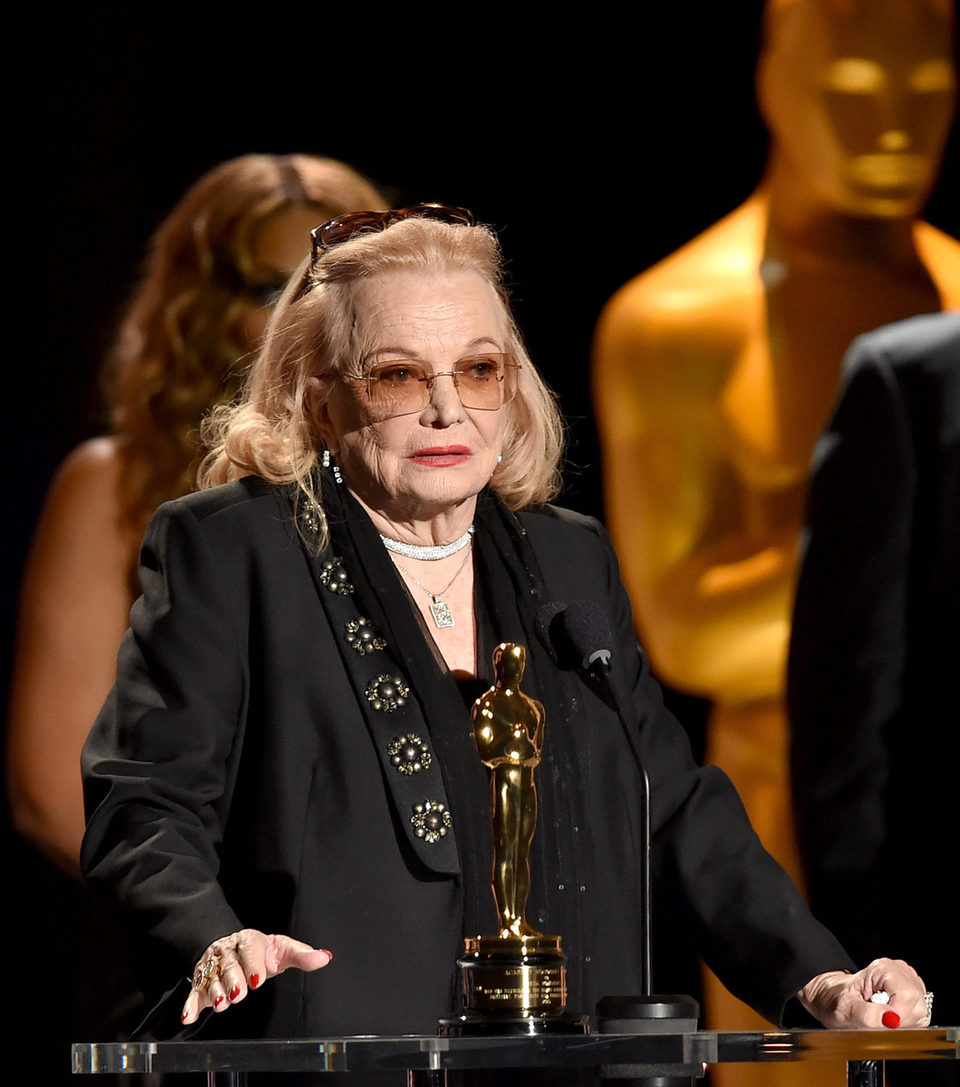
(235, 992)
(326, 952)
(183, 1017)
(218, 1002)
(254, 980)
(891, 1020)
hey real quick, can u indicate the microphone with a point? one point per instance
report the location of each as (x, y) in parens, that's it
(577, 636)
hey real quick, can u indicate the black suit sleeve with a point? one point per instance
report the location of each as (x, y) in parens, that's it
(742, 910)
(746, 916)
(158, 764)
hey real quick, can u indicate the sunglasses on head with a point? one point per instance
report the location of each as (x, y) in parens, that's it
(343, 227)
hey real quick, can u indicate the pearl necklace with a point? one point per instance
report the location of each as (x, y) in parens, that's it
(427, 552)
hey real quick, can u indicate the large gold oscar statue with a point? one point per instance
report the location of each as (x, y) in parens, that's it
(716, 370)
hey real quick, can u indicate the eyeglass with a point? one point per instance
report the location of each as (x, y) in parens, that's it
(401, 387)
(344, 227)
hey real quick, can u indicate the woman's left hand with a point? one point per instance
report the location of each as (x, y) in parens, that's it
(839, 999)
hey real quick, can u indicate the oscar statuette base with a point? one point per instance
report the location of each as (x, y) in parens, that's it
(513, 985)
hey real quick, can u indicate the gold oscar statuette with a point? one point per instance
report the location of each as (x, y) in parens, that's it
(519, 973)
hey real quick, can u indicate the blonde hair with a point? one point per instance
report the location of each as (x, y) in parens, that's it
(181, 346)
(272, 432)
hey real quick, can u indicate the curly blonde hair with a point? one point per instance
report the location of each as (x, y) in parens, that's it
(272, 432)
(182, 348)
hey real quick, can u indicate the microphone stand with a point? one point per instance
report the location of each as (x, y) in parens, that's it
(580, 624)
(598, 665)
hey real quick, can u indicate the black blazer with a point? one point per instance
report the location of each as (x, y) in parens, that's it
(874, 676)
(231, 782)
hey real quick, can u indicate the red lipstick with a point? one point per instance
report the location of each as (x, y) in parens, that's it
(441, 456)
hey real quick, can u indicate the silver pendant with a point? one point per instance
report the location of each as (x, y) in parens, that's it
(442, 615)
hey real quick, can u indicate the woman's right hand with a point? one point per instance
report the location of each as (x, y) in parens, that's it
(244, 960)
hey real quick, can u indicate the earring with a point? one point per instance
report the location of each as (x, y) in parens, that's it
(327, 461)
(499, 458)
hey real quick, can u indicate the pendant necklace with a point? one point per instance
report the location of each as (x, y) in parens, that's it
(439, 608)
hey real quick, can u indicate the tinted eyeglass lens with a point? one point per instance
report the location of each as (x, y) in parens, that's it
(344, 227)
(481, 381)
(396, 388)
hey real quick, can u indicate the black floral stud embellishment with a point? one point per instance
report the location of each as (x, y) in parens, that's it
(387, 693)
(431, 821)
(361, 636)
(335, 577)
(409, 754)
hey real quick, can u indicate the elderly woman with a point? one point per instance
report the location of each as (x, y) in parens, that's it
(287, 764)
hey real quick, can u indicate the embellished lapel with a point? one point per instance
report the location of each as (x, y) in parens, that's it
(381, 678)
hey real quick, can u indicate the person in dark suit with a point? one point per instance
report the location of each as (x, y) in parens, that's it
(874, 672)
(286, 763)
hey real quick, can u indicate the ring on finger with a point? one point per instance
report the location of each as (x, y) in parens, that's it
(928, 1000)
(204, 974)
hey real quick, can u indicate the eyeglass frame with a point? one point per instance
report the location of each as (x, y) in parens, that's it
(507, 361)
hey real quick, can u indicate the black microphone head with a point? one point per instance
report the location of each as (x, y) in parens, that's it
(587, 629)
(578, 634)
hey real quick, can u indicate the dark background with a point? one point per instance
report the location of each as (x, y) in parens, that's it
(595, 148)
(596, 143)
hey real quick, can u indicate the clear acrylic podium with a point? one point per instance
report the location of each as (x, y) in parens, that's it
(428, 1058)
